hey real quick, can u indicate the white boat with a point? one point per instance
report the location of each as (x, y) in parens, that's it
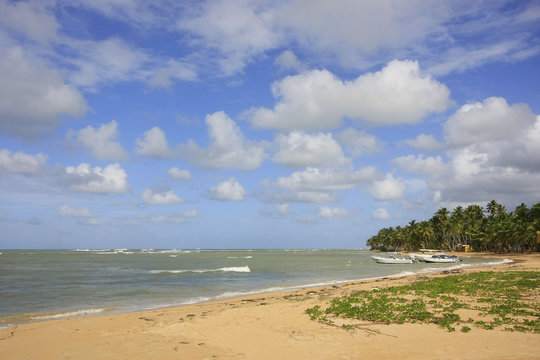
(392, 260)
(420, 257)
(442, 259)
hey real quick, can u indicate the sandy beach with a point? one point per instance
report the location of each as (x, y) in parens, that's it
(265, 326)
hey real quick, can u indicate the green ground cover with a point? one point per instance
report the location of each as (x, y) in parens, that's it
(484, 300)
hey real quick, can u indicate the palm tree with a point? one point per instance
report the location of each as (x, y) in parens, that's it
(517, 231)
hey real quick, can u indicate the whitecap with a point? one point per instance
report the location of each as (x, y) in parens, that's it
(241, 269)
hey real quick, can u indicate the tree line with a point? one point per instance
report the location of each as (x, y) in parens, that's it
(489, 229)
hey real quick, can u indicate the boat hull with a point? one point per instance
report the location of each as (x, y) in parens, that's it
(385, 260)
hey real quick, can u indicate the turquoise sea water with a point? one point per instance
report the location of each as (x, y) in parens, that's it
(46, 284)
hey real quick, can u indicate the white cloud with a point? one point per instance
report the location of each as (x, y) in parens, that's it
(358, 143)
(32, 19)
(359, 34)
(238, 30)
(101, 141)
(420, 165)
(179, 174)
(172, 70)
(228, 147)
(352, 31)
(287, 60)
(461, 59)
(33, 97)
(315, 185)
(68, 211)
(387, 189)
(424, 142)
(229, 190)
(160, 197)
(111, 179)
(22, 163)
(381, 214)
(107, 61)
(329, 213)
(494, 154)
(298, 149)
(491, 120)
(327, 179)
(316, 100)
(154, 144)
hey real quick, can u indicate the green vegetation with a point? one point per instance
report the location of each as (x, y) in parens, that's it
(490, 300)
(493, 229)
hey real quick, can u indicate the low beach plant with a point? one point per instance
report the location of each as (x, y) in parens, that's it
(497, 299)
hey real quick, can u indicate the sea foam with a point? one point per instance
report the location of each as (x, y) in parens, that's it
(240, 269)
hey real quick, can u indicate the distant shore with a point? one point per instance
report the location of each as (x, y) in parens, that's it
(266, 326)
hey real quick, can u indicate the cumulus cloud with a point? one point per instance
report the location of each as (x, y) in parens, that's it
(494, 152)
(315, 185)
(424, 142)
(111, 179)
(336, 213)
(327, 179)
(160, 197)
(387, 189)
(420, 165)
(22, 163)
(101, 141)
(229, 190)
(68, 211)
(358, 143)
(179, 174)
(154, 144)
(298, 149)
(491, 120)
(34, 97)
(317, 100)
(228, 147)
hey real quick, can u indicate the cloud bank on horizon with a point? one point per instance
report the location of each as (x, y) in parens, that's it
(260, 124)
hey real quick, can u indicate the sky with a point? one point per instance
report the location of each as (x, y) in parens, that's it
(260, 124)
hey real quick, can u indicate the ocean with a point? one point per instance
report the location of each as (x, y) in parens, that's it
(38, 285)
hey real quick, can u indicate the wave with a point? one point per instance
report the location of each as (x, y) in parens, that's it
(499, 262)
(70, 314)
(240, 269)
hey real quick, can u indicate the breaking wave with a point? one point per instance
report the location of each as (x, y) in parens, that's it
(240, 269)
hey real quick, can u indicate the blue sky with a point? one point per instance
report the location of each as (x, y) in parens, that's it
(260, 124)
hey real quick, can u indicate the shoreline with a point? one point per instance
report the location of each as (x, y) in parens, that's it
(263, 326)
(31, 318)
